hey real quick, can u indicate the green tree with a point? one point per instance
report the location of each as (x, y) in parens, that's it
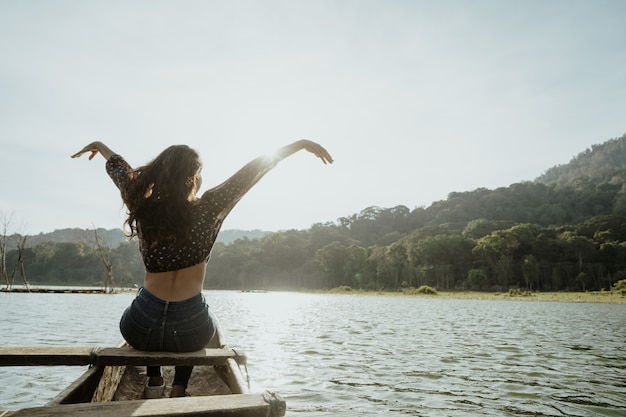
(477, 279)
(578, 246)
(530, 271)
(397, 263)
(355, 268)
(126, 261)
(332, 259)
(444, 258)
(495, 252)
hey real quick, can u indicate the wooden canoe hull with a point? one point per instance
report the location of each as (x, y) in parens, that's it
(217, 386)
(238, 405)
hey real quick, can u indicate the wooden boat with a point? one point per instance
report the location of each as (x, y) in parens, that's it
(114, 383)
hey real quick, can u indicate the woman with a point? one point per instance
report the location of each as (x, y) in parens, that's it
(176, 232)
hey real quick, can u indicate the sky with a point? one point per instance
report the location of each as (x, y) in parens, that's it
(413, 99)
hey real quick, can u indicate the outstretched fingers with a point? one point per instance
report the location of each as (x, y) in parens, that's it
(319, 151)
(89, 148)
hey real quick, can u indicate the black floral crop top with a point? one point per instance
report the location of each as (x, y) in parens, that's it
(208, 215)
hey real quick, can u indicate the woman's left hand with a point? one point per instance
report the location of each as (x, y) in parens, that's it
(317, 150)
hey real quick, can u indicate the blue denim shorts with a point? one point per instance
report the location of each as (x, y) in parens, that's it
(153, 324)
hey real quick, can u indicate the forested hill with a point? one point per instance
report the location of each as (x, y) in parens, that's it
(598, 163)
(114, 237)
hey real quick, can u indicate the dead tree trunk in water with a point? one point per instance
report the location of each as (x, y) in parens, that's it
(21, 244)
(4, 238)
(103, 252)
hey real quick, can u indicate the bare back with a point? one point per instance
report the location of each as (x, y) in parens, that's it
(178, 285)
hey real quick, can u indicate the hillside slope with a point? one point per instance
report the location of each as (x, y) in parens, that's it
(598, 163)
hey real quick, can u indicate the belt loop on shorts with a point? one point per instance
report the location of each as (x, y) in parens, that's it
(163, 320)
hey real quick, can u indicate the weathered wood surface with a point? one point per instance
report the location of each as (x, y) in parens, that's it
(235, 378)
(54, 290)
(110, 356)
(44, 355)
(109, 381)
(81, 389)
(130, 356)
(237, 405)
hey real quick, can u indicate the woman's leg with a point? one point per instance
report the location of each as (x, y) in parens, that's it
(181, 380)
(190, 327)
(154, 376)
(140, 326)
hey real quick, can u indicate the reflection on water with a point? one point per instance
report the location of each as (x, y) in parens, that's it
(335, 355)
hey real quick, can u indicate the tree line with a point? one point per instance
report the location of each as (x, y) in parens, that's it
(486, 255)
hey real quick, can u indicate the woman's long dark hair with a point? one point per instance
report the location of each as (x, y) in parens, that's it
(157, 197)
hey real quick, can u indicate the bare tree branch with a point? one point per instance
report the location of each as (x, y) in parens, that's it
(5, 222)
(103, 252)
(21, 244)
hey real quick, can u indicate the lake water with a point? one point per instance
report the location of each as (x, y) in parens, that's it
(343, 355)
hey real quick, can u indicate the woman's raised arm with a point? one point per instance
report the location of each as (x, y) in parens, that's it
(315, 148)
(231, 190)
(94, 148)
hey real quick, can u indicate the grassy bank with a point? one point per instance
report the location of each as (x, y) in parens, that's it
(614, 297)
(565, 297)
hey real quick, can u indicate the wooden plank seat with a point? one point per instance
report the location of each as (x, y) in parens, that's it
(111, 356)
(248, 405)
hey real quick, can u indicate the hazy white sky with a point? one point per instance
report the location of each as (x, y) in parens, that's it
(414, 99)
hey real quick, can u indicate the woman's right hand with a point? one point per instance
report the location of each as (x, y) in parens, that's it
(94, 148)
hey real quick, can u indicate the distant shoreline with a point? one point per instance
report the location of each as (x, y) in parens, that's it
(606, 297)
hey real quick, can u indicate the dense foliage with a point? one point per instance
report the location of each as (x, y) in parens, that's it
(598, 163)
(565, 231)
(484, 255)
(76, 263)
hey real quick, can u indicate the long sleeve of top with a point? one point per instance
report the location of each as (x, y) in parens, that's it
(208, 214)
